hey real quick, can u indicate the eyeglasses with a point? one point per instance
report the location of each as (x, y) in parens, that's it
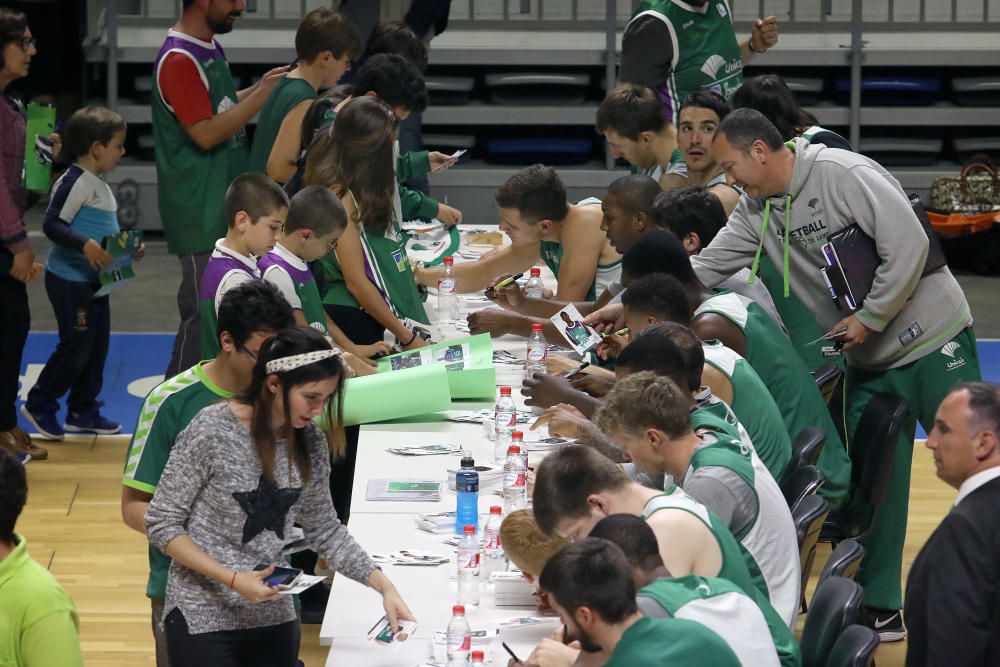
(253, 355)
(26, 43)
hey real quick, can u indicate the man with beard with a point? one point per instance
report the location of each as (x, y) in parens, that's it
(201, 146)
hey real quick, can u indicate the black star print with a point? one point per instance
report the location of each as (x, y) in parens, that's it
(266, 507)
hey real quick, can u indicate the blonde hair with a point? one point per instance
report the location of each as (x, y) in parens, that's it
(525, 544)
(644, 400)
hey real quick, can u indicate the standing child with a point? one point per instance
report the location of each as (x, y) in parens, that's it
(255, 209)
(81, 213)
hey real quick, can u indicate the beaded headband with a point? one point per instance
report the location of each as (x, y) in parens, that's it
(298, 360)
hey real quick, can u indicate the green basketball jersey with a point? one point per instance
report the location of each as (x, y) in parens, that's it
(286, 94)
(671, 641)
(770, 353)
(167, 411)
(552, 252)
(727, 611)
(754, 407)
(675, 165)
(705, 49)
(191, 182)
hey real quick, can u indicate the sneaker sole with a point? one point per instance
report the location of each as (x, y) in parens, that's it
(70, 428)
(42, 432)
(892, 636)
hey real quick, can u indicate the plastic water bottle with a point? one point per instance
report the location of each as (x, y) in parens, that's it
(517, 438)
(468, 567)
(459, 638)
(493, 555)
(515, 489)
(467, 490)
(447, 288)
(537, 351)
(534, 288)
(478, 659)
(505, 419)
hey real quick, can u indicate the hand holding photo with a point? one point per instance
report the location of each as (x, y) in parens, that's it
(581, 337)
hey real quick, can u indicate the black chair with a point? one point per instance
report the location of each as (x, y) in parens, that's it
(835, 606)
(872, 451)
(854, 648)
(806, 447)
(827, 377)
(800, 484)
(808, 517)
(843, 562)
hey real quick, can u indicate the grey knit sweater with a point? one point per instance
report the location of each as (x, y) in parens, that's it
(213, 491)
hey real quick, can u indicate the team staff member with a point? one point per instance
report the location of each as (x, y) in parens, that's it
(912, 335)
(677, 47)
(201, 146)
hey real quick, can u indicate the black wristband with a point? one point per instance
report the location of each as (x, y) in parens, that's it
(410, 342)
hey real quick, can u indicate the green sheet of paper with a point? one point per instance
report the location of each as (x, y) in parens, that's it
(403, 393)
(474, 378)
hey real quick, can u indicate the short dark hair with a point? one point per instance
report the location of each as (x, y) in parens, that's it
(984, 402)
(663, 351)
(321, 113)
(706, 99)
(256, 194)
(770, 95)
(395, 80)
(253, 306)
(658, 251)
(91, 124)
(687, 210)
(13, 493)
(13, 24)
(633, 536)
(536, 192)
(635, 193)
(591, 573)
(659, 295)
(565, 478)
(742, 127)
(315, 207)
(324, 29)
(629, 110)
(396, 37)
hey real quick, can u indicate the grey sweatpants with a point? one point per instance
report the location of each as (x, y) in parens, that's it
(187, 344)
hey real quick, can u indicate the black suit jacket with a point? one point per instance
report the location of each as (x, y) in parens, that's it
(953, 591)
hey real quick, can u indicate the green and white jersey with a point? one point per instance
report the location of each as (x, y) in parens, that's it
(670, 641)
(607, 274)
(768, 538)
(291, 275)
(675, 165)
(754, 407)
(167, 411)
(706, 54)
(721, 607)
(789, 382)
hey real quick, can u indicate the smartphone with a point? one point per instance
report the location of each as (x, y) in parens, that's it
(282, 576)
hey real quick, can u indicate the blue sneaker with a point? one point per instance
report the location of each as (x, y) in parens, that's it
(44, 422)
(91, 421)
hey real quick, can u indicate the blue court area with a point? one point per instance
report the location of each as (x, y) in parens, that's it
(136, 362)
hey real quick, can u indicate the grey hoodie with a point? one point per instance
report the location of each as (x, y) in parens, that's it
(831, 189)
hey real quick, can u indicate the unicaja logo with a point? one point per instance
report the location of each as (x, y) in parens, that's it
(712, 66)
(950, 350)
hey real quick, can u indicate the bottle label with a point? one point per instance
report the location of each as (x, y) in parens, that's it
(446, 286)
(513, 479)
(460, 644)
(536, 353)
(504, 419)
(534, 293)
(492, 540)
(471, 561)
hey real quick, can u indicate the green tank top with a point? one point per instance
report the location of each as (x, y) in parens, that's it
(286, 95)
(387, 266)
(754, 407)
(706, 52)
(789, 382)
(191, 182)
(552, 252)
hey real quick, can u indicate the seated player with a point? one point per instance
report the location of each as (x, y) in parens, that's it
(699, 117)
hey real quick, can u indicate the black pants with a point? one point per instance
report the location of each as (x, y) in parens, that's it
(187, 343)
(77, 363)
(271, 646)
(15, 322)
(359, 326)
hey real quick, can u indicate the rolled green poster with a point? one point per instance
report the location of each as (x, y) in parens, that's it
(37, 149)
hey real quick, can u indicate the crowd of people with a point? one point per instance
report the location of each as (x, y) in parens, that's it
(663, 535)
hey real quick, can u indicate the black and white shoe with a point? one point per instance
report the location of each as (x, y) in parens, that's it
(888, 623)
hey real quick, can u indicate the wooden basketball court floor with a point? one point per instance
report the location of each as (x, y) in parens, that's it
(73, 526)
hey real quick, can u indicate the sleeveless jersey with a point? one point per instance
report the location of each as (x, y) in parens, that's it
(754, 407)
(220, 266)
(670, 641)
(675, 165)
(191, 182)
(705, 49)
(286, 94)
(770, 540)
(309, 301)
(552, 251)
(788, 380)
(723, 608)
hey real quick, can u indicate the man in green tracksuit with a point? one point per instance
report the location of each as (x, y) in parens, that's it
(912, 334)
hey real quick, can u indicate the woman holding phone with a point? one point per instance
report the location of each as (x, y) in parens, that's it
(238, 477)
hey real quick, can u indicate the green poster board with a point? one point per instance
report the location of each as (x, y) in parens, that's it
(468, 362)
(404, 393)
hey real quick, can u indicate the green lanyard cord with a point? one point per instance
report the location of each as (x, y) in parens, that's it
(760, 246)
(788, 231)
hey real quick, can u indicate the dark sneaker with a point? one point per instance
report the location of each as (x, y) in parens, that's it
(888, 623)
(23, 458)
(91, 421)
(44, 422)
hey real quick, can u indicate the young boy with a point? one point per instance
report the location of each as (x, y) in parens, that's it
(81, 213)
(248, 315)
(255, 208)
(315, 221)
